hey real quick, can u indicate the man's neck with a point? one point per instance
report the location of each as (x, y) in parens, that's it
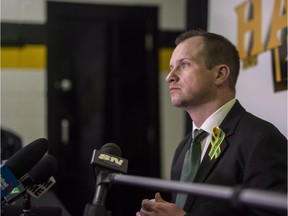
(199, 114)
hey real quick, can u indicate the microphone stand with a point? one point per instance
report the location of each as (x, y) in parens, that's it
(97, 207)
(27, 206)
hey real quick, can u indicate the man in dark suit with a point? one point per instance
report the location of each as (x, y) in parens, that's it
(237, 148)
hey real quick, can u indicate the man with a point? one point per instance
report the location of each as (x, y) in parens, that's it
(238, 149)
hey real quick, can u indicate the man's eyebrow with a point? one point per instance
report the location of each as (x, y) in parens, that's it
(190, 58)
(185, 59)
(178, 62)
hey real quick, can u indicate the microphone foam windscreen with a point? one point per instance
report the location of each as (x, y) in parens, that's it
(23, 160)
(44, 169)
(111, 148)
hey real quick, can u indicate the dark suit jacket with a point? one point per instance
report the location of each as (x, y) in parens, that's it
(253, 155)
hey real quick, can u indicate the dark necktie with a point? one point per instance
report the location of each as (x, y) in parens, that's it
(191, 164)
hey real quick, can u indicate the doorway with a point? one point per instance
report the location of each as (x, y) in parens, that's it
(102, 87)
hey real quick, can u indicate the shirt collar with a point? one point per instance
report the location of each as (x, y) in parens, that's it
(216, 118)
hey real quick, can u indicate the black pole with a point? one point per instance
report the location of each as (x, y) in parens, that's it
(235, 195)
(27, 206)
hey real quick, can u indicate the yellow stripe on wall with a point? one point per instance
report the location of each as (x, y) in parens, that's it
(164, 59)
(28, 56)
(34, 56)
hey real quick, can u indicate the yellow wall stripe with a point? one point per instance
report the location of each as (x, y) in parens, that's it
(164, 58)
(34, 56)
(28, 56)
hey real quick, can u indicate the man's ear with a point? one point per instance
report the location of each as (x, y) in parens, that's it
(222, 73)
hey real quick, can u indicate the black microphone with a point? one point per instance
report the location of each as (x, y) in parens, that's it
(108, 159)
(19, 164)
(37, 181)
(45, 168)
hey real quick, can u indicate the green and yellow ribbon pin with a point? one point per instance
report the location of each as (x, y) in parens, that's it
(216, 140)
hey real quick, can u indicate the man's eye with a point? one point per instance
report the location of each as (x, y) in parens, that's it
(184, 64)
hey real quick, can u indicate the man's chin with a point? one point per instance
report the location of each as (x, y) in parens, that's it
(176, 103)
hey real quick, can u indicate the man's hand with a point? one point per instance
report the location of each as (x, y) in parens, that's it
(159, 207)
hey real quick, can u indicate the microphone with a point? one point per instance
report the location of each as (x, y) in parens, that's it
(108, 159)
(41, 176)
(19, 164)
(37, 181)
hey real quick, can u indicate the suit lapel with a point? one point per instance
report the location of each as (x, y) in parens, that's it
(207, 164)
(206, 167)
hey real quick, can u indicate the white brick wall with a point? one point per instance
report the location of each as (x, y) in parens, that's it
(23, 102)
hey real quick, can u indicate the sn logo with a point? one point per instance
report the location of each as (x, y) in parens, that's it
(111, 159)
